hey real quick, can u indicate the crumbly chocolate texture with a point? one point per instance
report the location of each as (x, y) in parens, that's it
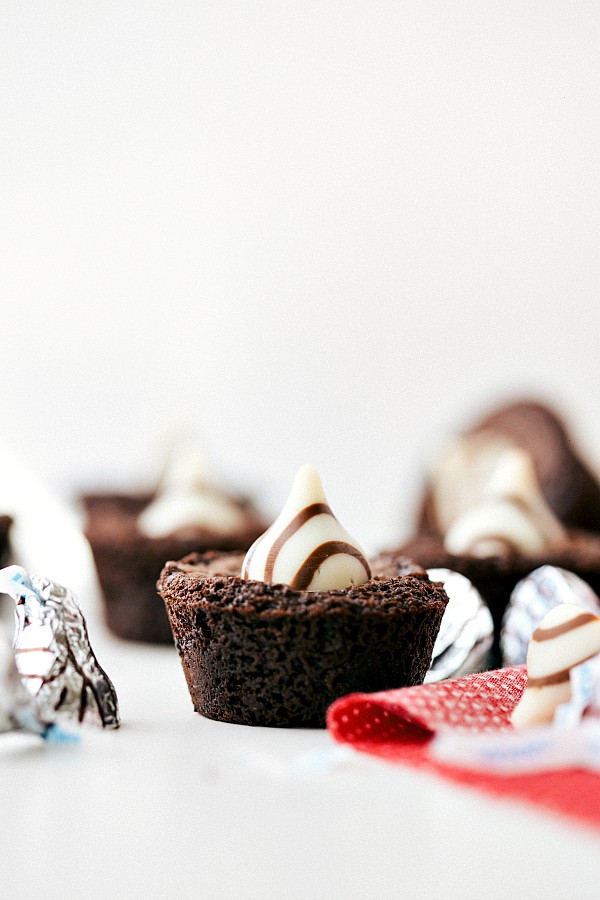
(568, 486)
(265, 654)
(128, 562)
(5, 523)
(496, 576)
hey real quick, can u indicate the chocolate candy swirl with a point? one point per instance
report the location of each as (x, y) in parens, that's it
(566, 637)
(488, 500)
(306, 547)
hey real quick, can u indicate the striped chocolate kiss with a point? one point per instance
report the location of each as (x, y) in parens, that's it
(306, 547)
(488, 501)
(566, 637)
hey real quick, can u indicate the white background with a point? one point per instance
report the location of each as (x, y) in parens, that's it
(306, 231)
(325, 231)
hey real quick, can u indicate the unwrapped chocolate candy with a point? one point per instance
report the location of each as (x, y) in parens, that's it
(532, 599)
(566, 638)
(306, 547)
(53, 655)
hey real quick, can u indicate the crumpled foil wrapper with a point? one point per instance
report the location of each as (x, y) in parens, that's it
(532, 598)
(54, 659)
(17, 708)
(466, 632)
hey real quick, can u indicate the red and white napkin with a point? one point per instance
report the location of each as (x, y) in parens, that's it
(399, 726)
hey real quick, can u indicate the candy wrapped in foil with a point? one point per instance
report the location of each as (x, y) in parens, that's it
(18, 710)
(533, 597)
(54, 659)
(466, 633)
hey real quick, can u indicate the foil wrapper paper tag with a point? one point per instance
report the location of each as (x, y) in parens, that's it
(54, 659)
(572, 740)
(466, 632)
(532, 599)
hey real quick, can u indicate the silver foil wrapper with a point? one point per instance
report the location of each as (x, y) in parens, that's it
(18, 710)
(55, 661)
(533, 597)
(466, 633)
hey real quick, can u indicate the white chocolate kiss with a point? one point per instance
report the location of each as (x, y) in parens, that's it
(490, 527)
(306, 547)
(487, 498)
(566, 637)
(187, 499)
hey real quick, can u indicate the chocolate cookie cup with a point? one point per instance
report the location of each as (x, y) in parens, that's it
(5, 523)
(569, 486)
(506, 497)
(128, 561)
(257, 653)
(495, 577)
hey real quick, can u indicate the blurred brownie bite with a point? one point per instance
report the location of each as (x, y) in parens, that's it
(132, 535)
(5, 523)
(510, 495)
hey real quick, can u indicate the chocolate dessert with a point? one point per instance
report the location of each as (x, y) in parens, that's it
(505, 498)
(129, 561)
(5, 523)
(495, 577)
(275, 637)
(257, 653)
(570, 489)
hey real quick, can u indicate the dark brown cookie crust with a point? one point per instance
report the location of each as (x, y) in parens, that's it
(264, 654)
(5, 523)
(128, 562)
(569, 487)
(496, 576)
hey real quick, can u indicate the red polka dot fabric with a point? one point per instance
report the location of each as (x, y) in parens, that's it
(398, 726)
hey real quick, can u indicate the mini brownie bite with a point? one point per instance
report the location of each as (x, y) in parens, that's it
(5, 523)
(495, 577)
(273, 638)
(502, 500)
(567, 484)
(132, 535)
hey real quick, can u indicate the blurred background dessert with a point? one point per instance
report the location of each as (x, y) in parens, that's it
(133, 535)
(568, 486)
(5, 523)
(510, 495)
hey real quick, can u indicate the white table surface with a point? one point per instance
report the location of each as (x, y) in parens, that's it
(176, 806)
